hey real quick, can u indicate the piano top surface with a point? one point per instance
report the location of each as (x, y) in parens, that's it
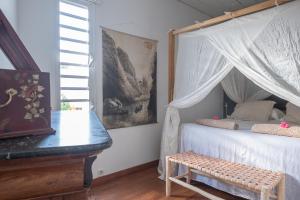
(77, 132)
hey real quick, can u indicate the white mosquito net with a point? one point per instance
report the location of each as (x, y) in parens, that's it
(264, 47)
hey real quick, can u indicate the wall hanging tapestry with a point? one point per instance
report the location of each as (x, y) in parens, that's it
(129, 79)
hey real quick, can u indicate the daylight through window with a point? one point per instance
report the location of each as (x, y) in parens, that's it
(74, 56)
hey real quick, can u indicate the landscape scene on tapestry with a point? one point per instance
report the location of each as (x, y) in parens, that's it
(129, 80)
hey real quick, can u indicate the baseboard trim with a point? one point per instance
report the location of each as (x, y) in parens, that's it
(103, 179)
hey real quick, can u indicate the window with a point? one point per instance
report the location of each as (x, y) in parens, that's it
(74, 55)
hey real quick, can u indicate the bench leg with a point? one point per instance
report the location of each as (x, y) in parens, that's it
(281, 189)
(189, 176)
(265, 194)
(168, 174)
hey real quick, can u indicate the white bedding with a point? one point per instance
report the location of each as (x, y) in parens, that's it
(242, 146)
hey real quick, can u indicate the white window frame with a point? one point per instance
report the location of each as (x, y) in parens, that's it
(86, 4)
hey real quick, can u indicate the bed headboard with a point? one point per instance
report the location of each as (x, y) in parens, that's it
(229, 105)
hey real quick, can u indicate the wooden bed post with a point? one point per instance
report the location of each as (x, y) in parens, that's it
(171, 64)
(229, 15)
(168, 175)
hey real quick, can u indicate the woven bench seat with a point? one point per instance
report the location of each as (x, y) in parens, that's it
(246, 177)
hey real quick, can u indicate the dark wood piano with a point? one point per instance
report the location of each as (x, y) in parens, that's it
(48, 167)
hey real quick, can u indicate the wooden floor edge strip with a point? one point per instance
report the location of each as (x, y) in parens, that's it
(103, 179)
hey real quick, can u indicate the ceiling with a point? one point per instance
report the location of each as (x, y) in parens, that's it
(214, 8)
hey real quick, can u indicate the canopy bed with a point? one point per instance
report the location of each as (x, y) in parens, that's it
(254, 56)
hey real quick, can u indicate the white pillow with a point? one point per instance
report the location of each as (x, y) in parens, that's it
(292, 113)
(253, 111)
(277, 114)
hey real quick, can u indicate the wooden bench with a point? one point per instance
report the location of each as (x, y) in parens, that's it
(246, 177)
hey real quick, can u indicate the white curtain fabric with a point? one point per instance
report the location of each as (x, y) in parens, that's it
(240, 89)
(264, 47)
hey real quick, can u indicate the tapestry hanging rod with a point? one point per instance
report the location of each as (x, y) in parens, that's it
(229, 15)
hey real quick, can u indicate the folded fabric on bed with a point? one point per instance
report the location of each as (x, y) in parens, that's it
(275, 129)
(226, 124)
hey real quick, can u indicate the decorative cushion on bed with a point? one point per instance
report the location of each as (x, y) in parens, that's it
(277, 114)
(253, 111)
(292, 113)
(225, 124)
(275, 129)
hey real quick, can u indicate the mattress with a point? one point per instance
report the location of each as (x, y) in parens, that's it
(242, 146)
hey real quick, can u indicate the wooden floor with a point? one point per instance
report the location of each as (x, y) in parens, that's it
(145, 185)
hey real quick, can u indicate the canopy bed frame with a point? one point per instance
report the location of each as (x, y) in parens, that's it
(258, 44)
(210, 22)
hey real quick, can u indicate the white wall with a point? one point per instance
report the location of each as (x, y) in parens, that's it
(211, 106)
(147, 18)
(9, 7)
(150, 19)
(38, 29)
